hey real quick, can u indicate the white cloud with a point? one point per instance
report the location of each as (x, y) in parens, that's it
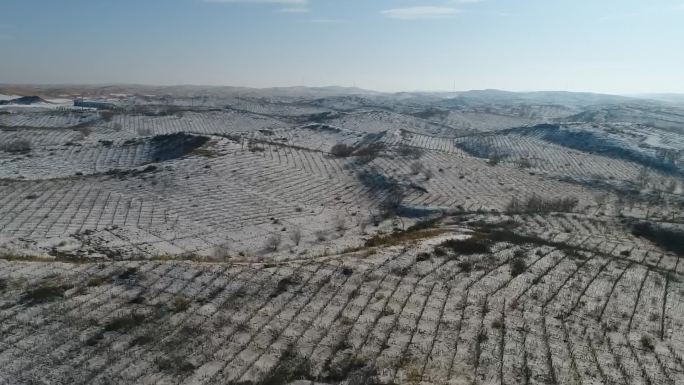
(293, 2)
(420, 13)
(294, 9)
(679, 7)
(329, 21)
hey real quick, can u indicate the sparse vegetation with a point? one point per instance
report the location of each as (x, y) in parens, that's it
(273, 242)
(44, 293)
(341, 150)
(97, 281)
(466, 246)
(283, 285)
(291, 366)
(174, 363)
(518, 266)
(17, 146)
(401, 236)
(668, 239)
(296, 235)
(368, 153)
(538, 204)
(646, 343)
(124, 323)
(181, 304)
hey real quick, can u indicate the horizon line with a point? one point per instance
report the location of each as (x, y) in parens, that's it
(424, 91)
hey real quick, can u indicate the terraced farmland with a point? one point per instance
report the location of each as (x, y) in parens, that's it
(361, 239)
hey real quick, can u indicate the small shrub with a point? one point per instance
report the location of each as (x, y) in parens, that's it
(273, 242)
(416, 168)
(175, 364)
(144, 131)
(537, 204)
(18, 146)
(321, 236)
(43, 294)
(646, 343)
(465, 266)
(291, 366)
(386, 312)
(142, 340)
(368, 153)
(409, 152)
(124, 323)
(282, 286)
(466, 246)
(94, 339)
(181, 304)
(97, 281)
(341, 150)
(222, 250)
(495, 159)
(518, 266)
(340, 224)
(391, 202)
(351, 370)
(106, 115)
(128, 274)
(668, 239)
(296, 235)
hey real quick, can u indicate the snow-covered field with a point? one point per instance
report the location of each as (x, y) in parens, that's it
(225, 239)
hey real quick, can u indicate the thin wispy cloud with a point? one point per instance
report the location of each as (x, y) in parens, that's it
(329, 21)
(679, 7)
(420, 13)
(296, 9)
(293, 2)
(618, 16)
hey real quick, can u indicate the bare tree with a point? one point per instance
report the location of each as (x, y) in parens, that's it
(363, 222)
(368, 153)
(85, 132)
(143, 131)
(106, 115)
(391, 202)
(340, 224)
(273, 242)
(601, 198)
(296, 235)
(321, 236)
(341, 150)
(538, 204)
(409, 152)
(222, 250)
(644, 177)
(416, 168)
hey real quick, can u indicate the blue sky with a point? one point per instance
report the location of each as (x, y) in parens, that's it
(615, 46)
